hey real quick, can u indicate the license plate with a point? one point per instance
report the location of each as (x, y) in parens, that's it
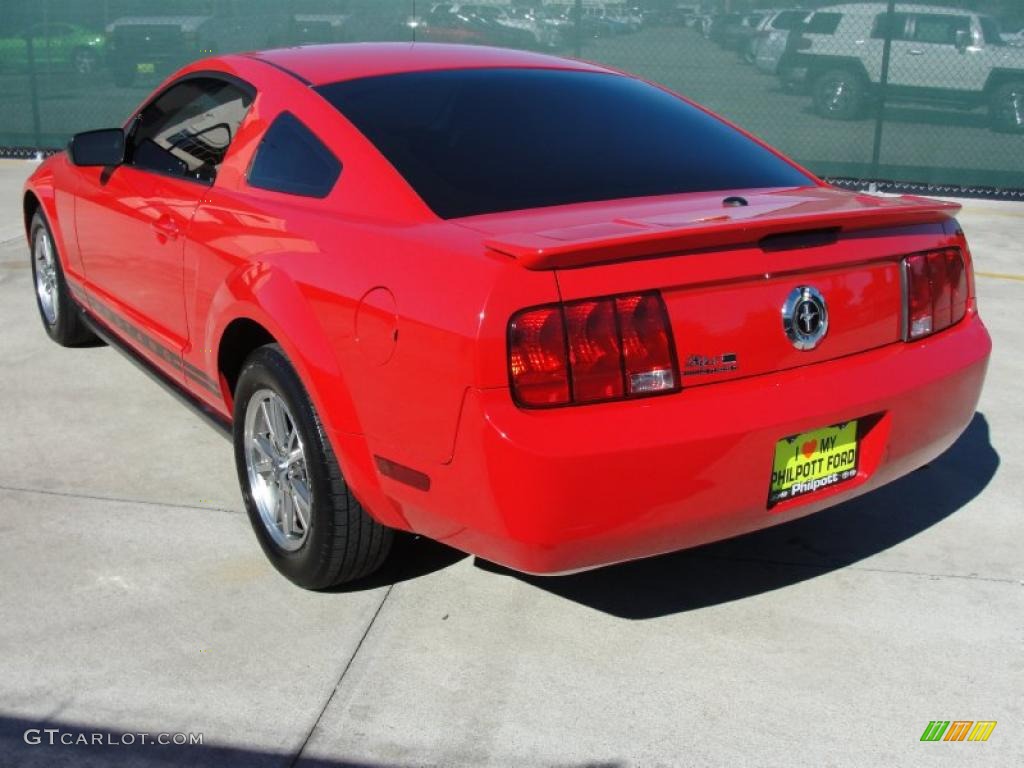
(814, 460)
(145, 69)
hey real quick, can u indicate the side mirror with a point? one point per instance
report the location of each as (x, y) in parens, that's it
(104, 147)
(963, 40)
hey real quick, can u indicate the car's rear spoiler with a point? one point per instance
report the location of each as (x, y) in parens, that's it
(632, 238)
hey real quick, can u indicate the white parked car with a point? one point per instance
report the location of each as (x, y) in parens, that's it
(940, 56)
(769, 43)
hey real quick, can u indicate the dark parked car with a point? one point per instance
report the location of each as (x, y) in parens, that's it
(455, 24)
(715, 26)
(738, 33)
(148, 45)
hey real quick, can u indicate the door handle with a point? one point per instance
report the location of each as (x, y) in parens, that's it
(165, 227)
(916, 52)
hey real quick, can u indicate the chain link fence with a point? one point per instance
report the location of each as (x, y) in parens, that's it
(926, 96)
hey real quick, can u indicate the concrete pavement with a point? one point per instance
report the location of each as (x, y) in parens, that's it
(135, 599)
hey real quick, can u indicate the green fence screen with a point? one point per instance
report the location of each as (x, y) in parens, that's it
(927, 94)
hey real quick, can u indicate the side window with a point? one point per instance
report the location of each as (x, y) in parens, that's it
(939, 29)
(788, 19)
(293, 160)
(824, 23)
(894, 24)
(991, 32)
(187, 130)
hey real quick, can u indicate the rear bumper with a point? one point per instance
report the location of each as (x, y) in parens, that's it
(573, 488)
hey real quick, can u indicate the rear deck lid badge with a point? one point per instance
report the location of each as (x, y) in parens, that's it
(805, 317)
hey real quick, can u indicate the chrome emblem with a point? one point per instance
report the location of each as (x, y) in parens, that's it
(805, 317)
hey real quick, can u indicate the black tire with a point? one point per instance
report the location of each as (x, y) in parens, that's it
(342, 542)
(839, 94)
(67, 328)
(1006, 107)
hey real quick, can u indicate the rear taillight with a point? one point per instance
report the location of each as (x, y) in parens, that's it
(647, 354)
(595, 350)
(592, 351)
(936, 292)
(537, 357)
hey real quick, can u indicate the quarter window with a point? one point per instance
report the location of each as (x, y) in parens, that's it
(291, 159)
(788, 20)
(894, 24)
(824, 23)
(187, 130)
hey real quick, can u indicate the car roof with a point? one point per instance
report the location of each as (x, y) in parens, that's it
(864, 9)
(322, 64)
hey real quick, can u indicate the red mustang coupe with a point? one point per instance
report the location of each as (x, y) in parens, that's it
(534, 308)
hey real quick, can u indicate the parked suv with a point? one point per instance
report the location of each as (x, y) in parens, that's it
(939, 56)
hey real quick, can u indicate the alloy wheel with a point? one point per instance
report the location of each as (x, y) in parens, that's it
(275, 460)
(1013, 109)
(84, 62)
(46, 275)
(835, 95)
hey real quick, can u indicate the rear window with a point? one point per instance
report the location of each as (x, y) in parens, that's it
(824, 23)
(477, 141)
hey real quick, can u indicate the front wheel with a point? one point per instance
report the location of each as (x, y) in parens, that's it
(306, 519)
(839, 94)
(62, 319)
(1006, 108)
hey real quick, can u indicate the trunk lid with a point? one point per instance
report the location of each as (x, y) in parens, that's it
(726, 272)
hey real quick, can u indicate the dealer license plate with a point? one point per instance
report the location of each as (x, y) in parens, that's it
(814, 460)
(145, 69)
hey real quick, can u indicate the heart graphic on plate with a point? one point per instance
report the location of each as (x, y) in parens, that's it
(809, 448)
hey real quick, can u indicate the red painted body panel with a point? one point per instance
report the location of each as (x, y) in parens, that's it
(703, 223)
(131, 230)
(396, 322)
(570, 488)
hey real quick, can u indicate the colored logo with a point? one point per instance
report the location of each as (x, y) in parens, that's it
(958, 730)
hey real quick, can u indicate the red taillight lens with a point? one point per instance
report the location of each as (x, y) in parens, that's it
(591, 351)
(936, 286)
(646, 346)
(594, 351)
(537, 359)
